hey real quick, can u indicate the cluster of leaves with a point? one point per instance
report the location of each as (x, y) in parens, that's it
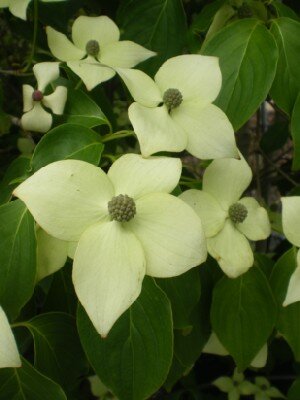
(155, 346)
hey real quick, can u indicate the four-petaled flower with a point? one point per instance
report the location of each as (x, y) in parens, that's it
(97, 49)
(235, 386)
(126, 224)
(36, 118)
(174, 112)
(19, 7)
(264, 390)
(228, 220)
(9, 354)
(291, 229)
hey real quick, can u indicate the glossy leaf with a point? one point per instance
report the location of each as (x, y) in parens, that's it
(295, 128)
(239, 307)
(246, 82)
(133, 361)
(17, 257)
(67, 141)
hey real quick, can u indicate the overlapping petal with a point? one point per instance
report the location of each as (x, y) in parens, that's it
(19, 8)
(256, 226)
(45, 72)
(209, 210)
(156, 130)
(171, 234)
(197, 77)
(136, 176)
(293, 291)
(61, 47)
(108, 271)
(9, 355)
(291, 219)
(37, 119)
(66, 197)
(27, 97)
(226, 179)
(102, 29)
(91, 71)
(232, 250)
(210, 134)
(56, 101)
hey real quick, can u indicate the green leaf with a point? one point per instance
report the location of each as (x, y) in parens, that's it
(246, 82)
(294, 390)
(133, 361)
(295, 128)
(239, 307)
(68, 141)
(57, 349)
(283, 10)
(289, 327)
(82, 110)
(26, 383)
(183, 292)
(159, 25)
(16, 169)
(286, 84)
(17, 257)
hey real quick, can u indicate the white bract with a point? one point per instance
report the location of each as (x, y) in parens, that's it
(96, 49)
(229, 221)
(175, 111)
(291, 229)
(264, 390)
(19, 7)
(9, 355)
(36, 118)
(126, 224)
(236, 386)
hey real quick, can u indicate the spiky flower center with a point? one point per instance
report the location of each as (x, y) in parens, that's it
(172, 98)
(237, 213)
(121, 208)
(92, 48)
(37, 95)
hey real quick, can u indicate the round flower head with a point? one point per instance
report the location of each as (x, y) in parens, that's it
(126, 224)
(96, 49)
(175, 111)
(229, 221)
(36, 118)
(235, 386)
(19, 7)
(9, 355)
(291, 229)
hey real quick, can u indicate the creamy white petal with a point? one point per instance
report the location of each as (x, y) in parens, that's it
(260, 359)
(45, 73)
(102, 29)
(293, 291)
(91, 72)
(226, 180)
(141, 87)
(156, 130)
(19, 8)
(51, 253)
(124, 54)
(171, 234)
(61, 47)
(214, 346)
(9, 355)
(66, 197)
(108, 270)
(291, 219)
(4, 3)
(27, 97)
(224, 383)
(136, 176)
(210, 134)
(207, 208)
(197, 77)
(57, 100)
(72, 246)
(231, 250)
(256, 226)
(37, 119)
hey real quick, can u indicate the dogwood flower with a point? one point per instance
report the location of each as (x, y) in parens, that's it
(97, 49)
(174, 112)
(9, 355)
(291, 229)
(264, 390)
(19, 7)
(229, 221)
(126, 224)
(36, 118)
(236, 386)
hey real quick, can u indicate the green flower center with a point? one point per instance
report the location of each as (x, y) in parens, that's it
(37, 95)
(92, 48)
(237, 213)
(121, 208)
(172, 98)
